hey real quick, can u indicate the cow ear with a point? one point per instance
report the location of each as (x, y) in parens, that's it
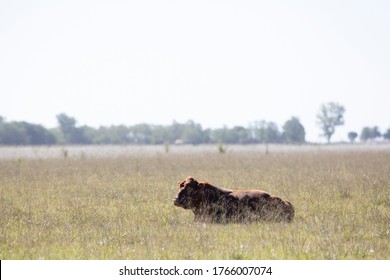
(189, 178)
(179, 184)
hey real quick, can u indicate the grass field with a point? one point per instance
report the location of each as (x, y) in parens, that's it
(75, 205)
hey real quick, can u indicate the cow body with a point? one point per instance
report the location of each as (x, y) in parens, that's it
(217, 204)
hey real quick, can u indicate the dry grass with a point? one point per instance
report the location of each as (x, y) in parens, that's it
(121, 207)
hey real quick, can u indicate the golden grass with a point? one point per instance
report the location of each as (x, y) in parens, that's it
(122, 208)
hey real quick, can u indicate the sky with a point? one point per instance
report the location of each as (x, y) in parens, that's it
(219, 63)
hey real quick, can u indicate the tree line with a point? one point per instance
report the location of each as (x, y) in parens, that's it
(190, 132)
(330, 115)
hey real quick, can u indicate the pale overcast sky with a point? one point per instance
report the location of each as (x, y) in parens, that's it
(215, 62)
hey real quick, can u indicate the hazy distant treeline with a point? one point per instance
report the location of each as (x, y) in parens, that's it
(190, 132)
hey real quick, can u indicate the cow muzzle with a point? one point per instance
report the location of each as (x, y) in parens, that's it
(176, 201)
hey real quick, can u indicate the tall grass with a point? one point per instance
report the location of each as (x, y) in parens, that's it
(122, 208)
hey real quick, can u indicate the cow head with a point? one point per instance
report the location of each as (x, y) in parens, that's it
(189, 195)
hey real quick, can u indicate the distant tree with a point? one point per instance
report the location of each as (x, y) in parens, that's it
(265, 132)
(293, 131)
(175, 131)
(386, 135)
(24, 133)
(13, 134)
(140, 134)
(224, 135)
(369, 133)
(272, 133)
(37, 134)
(58, 136)
(206, 135)
(192, 133)
(352, 136)
(255, 131)
(159, 134)
(330, 115)
(71, 133)
(242, 135)
(115, 134)
(67, 124)
(365, 134)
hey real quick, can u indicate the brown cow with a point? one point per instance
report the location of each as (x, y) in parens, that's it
(217, 204)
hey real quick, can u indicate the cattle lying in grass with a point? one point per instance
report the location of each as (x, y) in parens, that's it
(216, 204)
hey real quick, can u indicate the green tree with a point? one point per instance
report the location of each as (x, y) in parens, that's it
(223, 135)
(272, 133)
(24, 133)
(265, 132)
(369, 133)
(37, 134)
(242, 135)
(13, 134)
(159, 134)
(352, 136)
(192, 133)
(71, 133)
(175, 131)
(293, 131)
(140, 134)
(330, 115)
(386, 135)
